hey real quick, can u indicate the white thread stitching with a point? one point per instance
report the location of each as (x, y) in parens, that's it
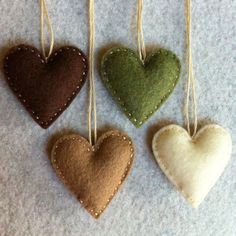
(94, 149)
(122, 103)
(163, 164)
(23, 100)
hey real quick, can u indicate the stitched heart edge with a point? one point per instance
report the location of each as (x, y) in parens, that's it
(162, 163)
(137, 122)
(45, 124)
(75, 137)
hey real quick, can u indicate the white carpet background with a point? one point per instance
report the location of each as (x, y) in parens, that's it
(33, 202)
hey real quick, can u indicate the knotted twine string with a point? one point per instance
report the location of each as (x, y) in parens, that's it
(141, 42)
(92, 91)
(191, 87)
(45, 16)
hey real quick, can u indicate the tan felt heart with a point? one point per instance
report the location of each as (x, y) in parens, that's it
(93, 174)
(193, 165)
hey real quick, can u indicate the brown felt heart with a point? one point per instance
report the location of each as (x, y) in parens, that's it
(45, 88)
(93, 174)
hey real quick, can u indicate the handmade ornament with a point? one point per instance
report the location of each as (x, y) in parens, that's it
(193, 164)
(192, 161)
(45, 84)
(93, 173)
(93, 170)
(140, 84)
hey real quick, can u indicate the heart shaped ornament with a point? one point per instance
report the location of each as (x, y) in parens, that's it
(45, 88)
(193, 165)
(140, 88)
(93, 173)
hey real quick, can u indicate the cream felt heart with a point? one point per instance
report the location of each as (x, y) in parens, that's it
(93, 173)
(193, 165)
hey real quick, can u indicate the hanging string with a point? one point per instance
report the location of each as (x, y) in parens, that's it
(191, 87)
(44, 14)
(92, 90)
(141, 42)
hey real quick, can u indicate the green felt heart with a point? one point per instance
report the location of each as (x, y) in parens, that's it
(140, 89)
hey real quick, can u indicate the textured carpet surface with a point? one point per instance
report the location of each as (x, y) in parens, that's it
(32, 199)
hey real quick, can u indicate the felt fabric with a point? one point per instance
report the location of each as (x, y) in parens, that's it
(140, 89)
(33, 202)
(45, 88)
(93, 173)
(193, 165)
